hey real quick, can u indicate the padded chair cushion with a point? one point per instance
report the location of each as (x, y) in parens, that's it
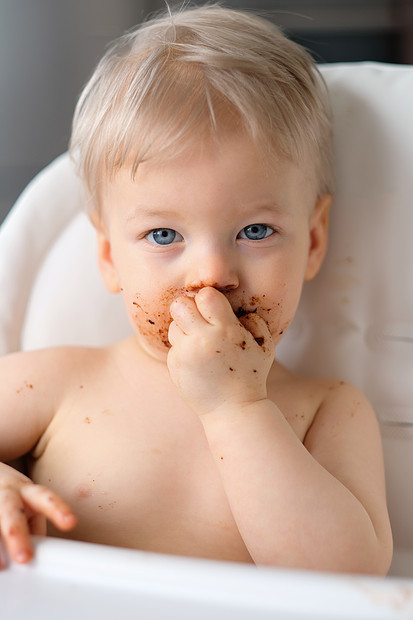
(356, 318)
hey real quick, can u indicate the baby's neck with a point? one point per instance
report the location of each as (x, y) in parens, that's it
(137, 348)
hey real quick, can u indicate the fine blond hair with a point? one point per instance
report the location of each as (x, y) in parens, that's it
(193, 74)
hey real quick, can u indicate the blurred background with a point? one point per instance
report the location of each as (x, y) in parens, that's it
(48, 49)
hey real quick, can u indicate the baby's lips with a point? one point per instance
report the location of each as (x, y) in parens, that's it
(190, 294)
(192, 291)
(184, 292)
(240, 311)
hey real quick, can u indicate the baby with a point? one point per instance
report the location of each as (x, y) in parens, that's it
(204, 141)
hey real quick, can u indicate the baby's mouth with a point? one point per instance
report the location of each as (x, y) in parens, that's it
(193, 290)
(241, 311)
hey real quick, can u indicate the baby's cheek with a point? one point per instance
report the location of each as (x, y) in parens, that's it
(151, 317)
(276, 316)
(151, 321)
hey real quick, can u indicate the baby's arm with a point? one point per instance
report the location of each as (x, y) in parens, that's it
(320, 505)
(26, 408)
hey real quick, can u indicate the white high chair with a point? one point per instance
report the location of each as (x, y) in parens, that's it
(355, 321)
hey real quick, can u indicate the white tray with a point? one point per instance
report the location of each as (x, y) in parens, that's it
(80, 580)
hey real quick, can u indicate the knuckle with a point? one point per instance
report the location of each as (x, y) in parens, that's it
(41, 492)
(16, 529)
(9, 497)
(7, 484)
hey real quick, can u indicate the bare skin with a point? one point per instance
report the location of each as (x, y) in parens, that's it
(153, 482)
(188, 438)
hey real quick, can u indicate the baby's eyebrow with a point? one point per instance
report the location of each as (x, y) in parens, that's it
(270, 207)
(150, 212)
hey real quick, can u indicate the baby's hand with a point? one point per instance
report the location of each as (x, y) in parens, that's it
(217, 358)
(24, 508)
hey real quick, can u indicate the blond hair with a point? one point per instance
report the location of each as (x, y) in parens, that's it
(191, 74)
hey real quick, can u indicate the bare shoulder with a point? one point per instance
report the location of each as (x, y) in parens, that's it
(31, 388)
(343, 415)
(324, 403)
(31, 369)
(43, 376)
(336, 423)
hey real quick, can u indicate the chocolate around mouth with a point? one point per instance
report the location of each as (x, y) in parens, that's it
(243, 311)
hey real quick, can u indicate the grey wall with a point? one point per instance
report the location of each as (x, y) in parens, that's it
(47, 50)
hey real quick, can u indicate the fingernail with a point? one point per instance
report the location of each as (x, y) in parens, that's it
(68, 519)
(23, 556)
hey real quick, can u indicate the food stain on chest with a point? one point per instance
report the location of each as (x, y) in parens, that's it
(106, 507)
(26, 386)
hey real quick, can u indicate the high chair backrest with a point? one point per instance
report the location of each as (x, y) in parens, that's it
(355, 319)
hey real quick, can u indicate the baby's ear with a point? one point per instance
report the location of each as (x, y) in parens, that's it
(318, 235)
(104, 255)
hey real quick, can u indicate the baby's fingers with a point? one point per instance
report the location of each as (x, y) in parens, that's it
(23, 511)
(14, 526)
(42, 500)
(259, 330)
(214, 306)
(185, 314)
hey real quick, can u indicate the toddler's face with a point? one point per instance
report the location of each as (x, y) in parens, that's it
(214, 217)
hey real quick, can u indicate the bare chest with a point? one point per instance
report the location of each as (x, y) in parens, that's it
(134, 464)
(138, 472)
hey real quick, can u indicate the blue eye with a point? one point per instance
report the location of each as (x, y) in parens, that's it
(163, 236)
(255, 232)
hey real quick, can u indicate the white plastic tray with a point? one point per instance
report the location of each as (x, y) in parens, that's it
(80, 580)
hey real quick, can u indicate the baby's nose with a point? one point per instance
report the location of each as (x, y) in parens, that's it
(214, 270)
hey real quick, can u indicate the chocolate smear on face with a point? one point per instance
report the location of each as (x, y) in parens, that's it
(242, 312)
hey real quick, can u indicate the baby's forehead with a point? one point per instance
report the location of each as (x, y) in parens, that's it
(231, 171)
(202, 147)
